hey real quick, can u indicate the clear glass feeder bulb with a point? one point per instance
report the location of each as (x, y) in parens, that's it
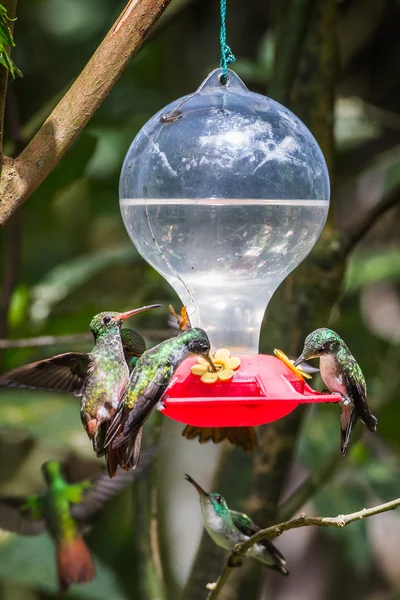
(224, 192)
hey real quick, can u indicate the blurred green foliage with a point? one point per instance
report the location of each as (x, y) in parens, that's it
(6, 42)
(76, 259)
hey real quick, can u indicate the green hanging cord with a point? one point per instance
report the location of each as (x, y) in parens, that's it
(227, 56)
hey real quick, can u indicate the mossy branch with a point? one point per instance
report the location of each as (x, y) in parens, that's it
(240, 550)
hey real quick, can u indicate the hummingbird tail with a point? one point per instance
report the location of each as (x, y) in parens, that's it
(114, 458)
(245, 437)
(131, 454)
(74, 564)
(371, 423)
(272, 552)
(348, 420)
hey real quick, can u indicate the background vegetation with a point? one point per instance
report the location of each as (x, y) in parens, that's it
(66, 256)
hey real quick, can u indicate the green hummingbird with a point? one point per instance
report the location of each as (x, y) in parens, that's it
(145, 388)
(227, 528)
(133, 345)
(99, 377)
(341, 373)
(66, 511)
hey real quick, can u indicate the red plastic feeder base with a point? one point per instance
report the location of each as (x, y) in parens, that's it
(262, 390)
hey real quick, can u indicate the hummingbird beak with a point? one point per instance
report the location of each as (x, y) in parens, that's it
(135, 311)
(299, 360)
(196, 485)
(209, 359)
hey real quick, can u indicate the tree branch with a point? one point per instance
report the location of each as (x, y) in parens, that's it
(24, 174)
(74, 338)
(240, 550)
(349, 241)
(291, 33)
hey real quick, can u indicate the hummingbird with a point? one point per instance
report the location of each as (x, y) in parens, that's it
(66, 511)
(341, 373)
(228, 527)
(145, 388)
(99, 377)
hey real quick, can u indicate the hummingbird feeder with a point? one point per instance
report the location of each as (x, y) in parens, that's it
(224, 192)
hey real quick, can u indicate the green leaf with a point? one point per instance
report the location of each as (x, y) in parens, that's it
(67, 277)
(7, 40)
(365, 268)
(30, 561)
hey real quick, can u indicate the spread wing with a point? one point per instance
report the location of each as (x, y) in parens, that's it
(61, 373)
(14, 518)
(248, 527)
(103, 488)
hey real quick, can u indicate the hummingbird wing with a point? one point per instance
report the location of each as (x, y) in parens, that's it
(61, 373)
(13, 517)
(126, 423)
(249, 528)
(103, 488)
(357, 389)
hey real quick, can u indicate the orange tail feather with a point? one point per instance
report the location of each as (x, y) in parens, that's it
(115, 457)
(245, 437)
(74, 564)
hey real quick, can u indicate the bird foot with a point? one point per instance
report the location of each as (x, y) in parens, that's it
(160, 405)
(345, 401)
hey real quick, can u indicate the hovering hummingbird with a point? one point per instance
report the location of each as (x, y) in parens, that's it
(145, 389)
(99, 377)
(341, 373)
(244, 437)
(65, 510)
(227, 528)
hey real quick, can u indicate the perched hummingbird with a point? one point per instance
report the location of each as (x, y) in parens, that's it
(227, 528)
(65, 510)
(146, 386)
(341, 373)
(99, 377)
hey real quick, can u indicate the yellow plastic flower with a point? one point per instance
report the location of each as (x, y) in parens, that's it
(225, 364)
(299, 372)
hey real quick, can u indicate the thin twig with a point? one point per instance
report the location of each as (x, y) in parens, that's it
(23, 175)
(74, 338)
(302, 521)
(315, 481)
